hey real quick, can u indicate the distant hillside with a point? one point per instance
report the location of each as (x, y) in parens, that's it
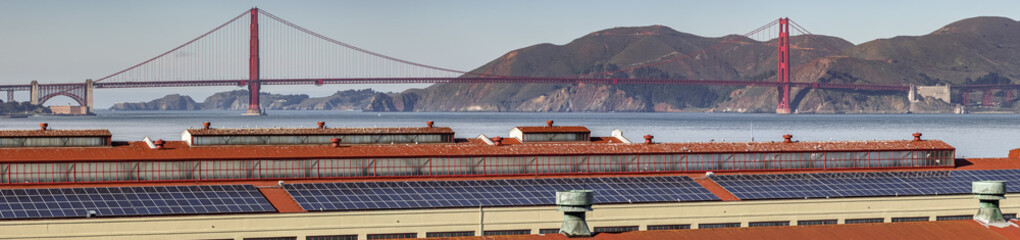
(169, 102)
(970, 50)
(15, 108)
(238, 100)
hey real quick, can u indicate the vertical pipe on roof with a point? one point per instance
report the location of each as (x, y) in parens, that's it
(989, 193)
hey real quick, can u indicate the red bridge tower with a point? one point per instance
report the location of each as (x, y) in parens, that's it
(253, 67)
(784, 67)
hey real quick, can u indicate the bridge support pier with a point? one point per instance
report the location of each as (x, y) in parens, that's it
(10, 95)
(988, 99)
(88, 96)
(34, 93)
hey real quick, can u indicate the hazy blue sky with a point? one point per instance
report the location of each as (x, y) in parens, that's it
(64, 41)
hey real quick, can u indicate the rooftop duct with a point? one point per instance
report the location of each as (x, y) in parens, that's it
(989, 193)
(574, 204)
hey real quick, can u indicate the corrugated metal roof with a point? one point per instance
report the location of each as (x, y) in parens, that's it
(56, 133)
(178, 150)
(554, 129)
(316, 131)
(961, 229)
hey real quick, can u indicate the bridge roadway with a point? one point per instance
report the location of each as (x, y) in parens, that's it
(549, 80)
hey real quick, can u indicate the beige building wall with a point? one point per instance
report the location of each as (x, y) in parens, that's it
(482, 219)
(918, 93)
(69, 110)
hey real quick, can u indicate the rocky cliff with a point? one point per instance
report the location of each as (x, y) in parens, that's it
(169, 102)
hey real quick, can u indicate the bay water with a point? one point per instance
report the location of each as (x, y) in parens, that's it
(974, 135)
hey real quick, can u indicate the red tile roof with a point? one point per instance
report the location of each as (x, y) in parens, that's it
(315, 131)
(280, 199)
(178, 150)
(56, 133)
(961, 229)
(715, 189)
(554, 129)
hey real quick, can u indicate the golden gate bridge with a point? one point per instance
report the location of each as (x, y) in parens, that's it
(298, 56)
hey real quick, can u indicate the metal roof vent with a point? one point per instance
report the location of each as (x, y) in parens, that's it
(917, 136)
(206, 125)
(787, 138)
(322, 125)
(335, 142)
(989, 193)
(574, 204)
(159, 144)
(43, 126)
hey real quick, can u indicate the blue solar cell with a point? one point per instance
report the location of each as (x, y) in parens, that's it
(504, 192)
(821, 185)
(131, 201)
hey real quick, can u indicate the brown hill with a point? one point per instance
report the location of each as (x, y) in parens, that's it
(615, 49)
(970, 50)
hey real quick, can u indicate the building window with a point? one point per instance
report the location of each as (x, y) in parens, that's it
(816, 222)
(392, 235)
(272, 238)
(718, 225)
(1009, 216)
(616, 229)
(549, 231)
(910, 219)
(958, 217)
(865, 220)
(507, 232)
(333, 237)
(768, 224)
(450, 234)
(669, 227)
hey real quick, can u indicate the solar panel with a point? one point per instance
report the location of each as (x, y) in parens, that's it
(504, 192)
(131, 201)
(858, 184)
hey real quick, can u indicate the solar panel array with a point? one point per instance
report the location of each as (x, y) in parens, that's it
(131, 201)
(859, 184)
(504, 192)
